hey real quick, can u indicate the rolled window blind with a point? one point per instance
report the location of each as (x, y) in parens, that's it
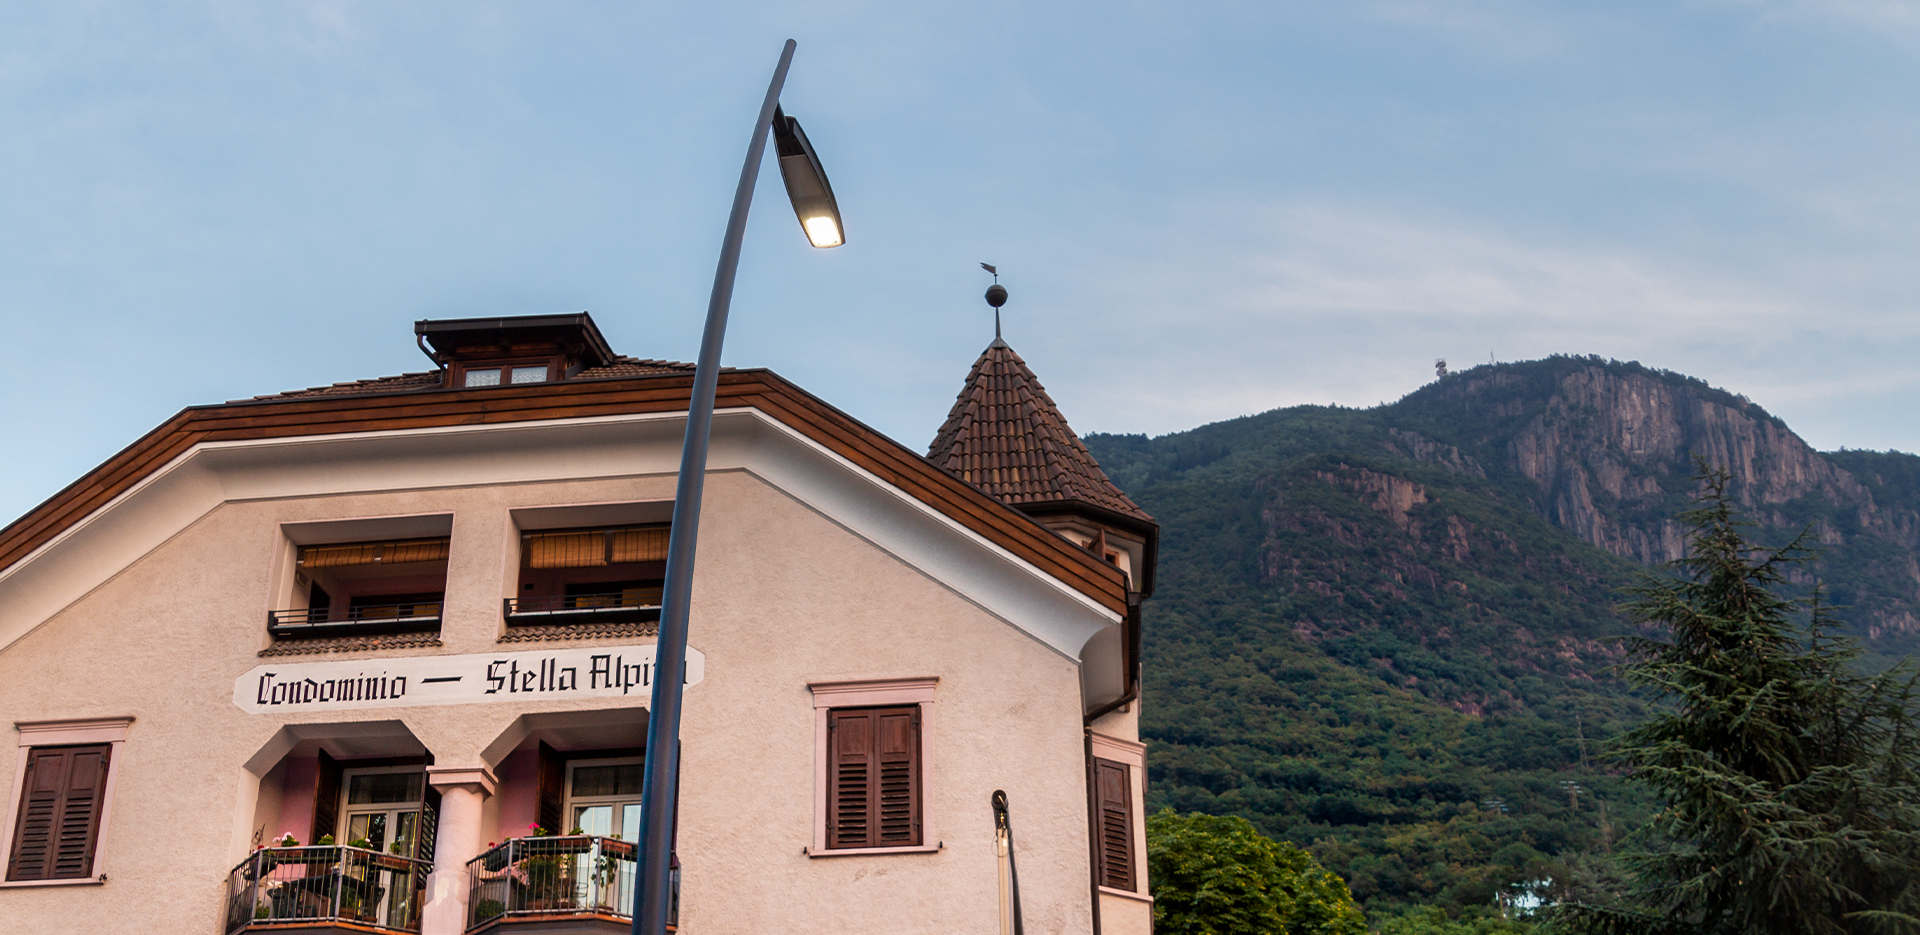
(567, 550)
(596, 547)
(640, 545)
(373, 553)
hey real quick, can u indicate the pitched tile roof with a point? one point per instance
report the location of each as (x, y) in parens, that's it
(622, 366)
(1007, 438)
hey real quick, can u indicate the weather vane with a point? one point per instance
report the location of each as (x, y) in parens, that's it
(996, 297)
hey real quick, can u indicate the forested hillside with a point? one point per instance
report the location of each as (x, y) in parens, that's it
(1384, 633)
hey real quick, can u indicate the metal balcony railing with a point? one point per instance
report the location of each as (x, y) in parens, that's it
(578, 875)
(339, 621)
(616, 607)
(276, 885)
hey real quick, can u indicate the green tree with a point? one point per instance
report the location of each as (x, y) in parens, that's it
(1788, 776)
(1218, 876)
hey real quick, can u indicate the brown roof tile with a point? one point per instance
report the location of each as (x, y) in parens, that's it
(430, 379)
(1007, 438)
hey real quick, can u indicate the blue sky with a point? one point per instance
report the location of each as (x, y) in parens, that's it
(1202, 210)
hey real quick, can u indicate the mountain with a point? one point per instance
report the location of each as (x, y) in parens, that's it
(1386, 633)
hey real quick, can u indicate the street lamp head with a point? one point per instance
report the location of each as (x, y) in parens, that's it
(807, 185)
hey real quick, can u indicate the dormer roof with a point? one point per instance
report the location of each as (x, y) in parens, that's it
(1006, 438)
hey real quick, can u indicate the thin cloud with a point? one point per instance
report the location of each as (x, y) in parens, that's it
(1319, 304)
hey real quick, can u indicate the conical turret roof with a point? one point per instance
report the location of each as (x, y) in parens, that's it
(1006, 437)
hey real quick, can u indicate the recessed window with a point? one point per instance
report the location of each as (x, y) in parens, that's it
(874, 767)
(61, 805)
(483, 377)
(382, 811)
(604, 797)
(365, 587)
(530, 374)
(610, 575)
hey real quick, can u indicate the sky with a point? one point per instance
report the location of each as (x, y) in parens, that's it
(1201, 209)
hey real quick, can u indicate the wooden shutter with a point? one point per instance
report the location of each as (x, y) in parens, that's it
(428, 830)
(1114, 790)
(326, 799)
(873, 782)
(551, 785)
(60, 806)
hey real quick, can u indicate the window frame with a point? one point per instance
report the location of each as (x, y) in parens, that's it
(873, 693)
(569, 800)
(111, 731)
(1132, 755)
(505, 367)
(343, 818)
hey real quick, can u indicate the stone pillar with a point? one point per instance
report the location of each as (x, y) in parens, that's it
(456, 841)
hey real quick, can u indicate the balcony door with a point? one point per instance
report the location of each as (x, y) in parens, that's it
(382, 808)
(603, 797)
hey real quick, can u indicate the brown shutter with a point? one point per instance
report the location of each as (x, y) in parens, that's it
(428, 831)
(551, 780)
(60, 808)
(873, 782)
(897, 746)
(326, 799)
(1114, 789)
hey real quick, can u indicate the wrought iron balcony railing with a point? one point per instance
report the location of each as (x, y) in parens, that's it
(319, 885)
(616, 607)
(579, 876)
(372, 618)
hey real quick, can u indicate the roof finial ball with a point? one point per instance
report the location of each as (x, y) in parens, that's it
(996, 297)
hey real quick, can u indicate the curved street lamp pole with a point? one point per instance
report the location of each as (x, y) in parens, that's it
(820, 217)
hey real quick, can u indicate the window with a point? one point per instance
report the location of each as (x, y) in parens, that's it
(606, 575)
(64, 790)
(365, 587)
(875, 767)
(603, 797)
(873, 777)
(382, 810)
(1113, 806)
(1118, 830)
(497, 374)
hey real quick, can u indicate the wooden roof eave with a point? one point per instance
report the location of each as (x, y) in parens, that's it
(665, 392)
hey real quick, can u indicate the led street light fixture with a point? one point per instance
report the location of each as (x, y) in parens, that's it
(807, 183)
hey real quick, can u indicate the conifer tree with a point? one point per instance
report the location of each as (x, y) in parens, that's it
(1788, 775)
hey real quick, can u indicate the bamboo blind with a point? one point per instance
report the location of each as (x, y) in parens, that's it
(596, 547)
(373, 553)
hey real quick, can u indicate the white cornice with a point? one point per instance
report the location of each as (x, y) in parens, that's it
(89, 552)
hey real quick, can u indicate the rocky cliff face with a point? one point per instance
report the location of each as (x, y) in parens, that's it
(1608, 448)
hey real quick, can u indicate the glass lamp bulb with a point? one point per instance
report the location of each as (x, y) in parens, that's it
(822, 231)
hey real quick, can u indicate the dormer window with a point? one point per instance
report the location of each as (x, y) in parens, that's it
(483, 352)
(492, 375)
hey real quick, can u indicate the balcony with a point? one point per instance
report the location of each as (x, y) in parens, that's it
(575, 883)
(396, 616)
(325, 889)
(630, 605)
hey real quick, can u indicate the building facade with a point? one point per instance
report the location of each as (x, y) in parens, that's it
(377, 657)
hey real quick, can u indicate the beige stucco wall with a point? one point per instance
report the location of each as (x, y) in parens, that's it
(784, 596)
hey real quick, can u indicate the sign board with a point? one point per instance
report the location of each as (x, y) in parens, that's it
(480, 678)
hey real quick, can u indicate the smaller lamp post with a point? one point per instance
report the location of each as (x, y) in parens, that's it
(819, 216)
